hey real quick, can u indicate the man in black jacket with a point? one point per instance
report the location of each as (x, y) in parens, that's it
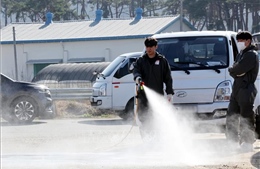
(240, 122)
(153, 69)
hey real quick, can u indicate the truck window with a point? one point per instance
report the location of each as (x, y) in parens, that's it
(112, 66)
(131, 64)
(195, 52)
(122, 71)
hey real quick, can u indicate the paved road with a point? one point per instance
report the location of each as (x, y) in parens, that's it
(102, 143)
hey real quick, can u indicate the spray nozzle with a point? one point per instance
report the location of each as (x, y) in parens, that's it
(141, 85)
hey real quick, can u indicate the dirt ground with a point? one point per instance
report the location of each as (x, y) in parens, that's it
(83, 109)
(99, 145)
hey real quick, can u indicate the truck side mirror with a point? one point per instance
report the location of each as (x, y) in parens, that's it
(131, 64)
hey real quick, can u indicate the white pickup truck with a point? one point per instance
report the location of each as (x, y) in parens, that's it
(199, 62)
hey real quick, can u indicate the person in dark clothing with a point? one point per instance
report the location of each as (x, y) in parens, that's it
(240, 121)
(153, 69)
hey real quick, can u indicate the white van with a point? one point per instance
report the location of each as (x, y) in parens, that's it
(199, 62)
(114, 87)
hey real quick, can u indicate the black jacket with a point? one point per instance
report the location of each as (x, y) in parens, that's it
(245, 69)
(154, 72)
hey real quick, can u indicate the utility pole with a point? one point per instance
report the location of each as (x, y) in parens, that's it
(181, 15)
(15, 55)
(78, 10)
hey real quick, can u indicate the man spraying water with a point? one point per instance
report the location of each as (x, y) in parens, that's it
(152, 70)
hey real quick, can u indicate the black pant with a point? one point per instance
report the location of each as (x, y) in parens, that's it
(257, 123)
(143, 109)
(240, 122)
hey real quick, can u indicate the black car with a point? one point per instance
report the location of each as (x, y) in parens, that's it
(22, 102)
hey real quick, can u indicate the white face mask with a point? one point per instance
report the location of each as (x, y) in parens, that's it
(241, 46)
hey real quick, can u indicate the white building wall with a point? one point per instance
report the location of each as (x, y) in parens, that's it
(108, 49)
(27, 52)
(39, 51)
(8, 60)
(43, 51)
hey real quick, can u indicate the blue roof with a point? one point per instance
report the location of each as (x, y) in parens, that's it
(87, 30)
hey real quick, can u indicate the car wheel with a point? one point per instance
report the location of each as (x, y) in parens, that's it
(23, 110)
(128, 113)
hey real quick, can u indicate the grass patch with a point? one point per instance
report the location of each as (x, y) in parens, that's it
(79, 108)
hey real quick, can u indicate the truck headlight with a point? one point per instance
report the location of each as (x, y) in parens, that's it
(103, 90)
(223, 91)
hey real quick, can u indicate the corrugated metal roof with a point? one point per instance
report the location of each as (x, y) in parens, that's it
(87, 29)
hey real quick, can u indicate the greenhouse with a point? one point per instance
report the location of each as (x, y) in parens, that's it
(70, 75)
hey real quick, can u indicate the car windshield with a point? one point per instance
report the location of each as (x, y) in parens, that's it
(112, 66)
(195, 52)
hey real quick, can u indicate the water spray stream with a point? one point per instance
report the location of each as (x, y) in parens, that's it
(175, 143)
(174, 132)
(176, 138)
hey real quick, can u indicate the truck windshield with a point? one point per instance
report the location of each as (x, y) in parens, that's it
(112, 66)
(191, 53)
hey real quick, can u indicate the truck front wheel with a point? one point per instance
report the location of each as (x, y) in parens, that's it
(128, 113)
